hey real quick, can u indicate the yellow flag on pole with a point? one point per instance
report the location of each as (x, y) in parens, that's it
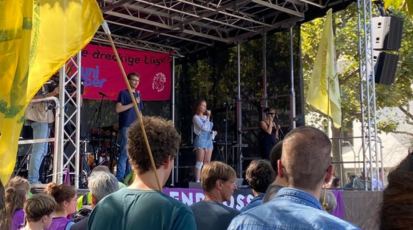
(324, 91)
(37, 37)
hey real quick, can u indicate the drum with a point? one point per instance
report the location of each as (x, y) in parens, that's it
(90, 159)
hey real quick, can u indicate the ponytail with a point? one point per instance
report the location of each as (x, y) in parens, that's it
(14, 200)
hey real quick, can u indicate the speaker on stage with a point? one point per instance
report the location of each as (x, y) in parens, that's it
(387, 33)
(385, 67)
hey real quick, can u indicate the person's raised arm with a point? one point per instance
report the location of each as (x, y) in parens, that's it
(203, 125)
(266, 127)
(51, 94)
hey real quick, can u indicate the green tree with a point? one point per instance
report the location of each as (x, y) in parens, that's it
(397, 95)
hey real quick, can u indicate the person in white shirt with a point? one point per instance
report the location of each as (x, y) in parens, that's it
(204, 135)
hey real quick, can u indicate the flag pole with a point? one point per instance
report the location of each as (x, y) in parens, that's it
(329, 115)
(135, 105)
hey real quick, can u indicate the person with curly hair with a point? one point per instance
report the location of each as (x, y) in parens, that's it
(12, 216)
(141, 205)
(259, 176)
(396, 209)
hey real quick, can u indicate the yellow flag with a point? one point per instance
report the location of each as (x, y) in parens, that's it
(324, 91)
(36, 38)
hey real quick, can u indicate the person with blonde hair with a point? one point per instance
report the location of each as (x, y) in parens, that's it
(12, 216)
(39, 211)
(218, 181)
(66, 199)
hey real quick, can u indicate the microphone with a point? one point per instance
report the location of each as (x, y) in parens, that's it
(102, 94)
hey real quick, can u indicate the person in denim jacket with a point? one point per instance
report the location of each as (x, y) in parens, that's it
(204, 135)
(305, 163)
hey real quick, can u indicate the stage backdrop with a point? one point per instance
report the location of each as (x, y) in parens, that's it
(101, 73)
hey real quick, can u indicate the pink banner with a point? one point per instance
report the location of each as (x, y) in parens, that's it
(101, 73)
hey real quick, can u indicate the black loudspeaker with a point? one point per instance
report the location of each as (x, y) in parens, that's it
(385, 67)
(387, 33)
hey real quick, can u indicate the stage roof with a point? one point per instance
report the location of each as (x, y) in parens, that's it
(186, 27)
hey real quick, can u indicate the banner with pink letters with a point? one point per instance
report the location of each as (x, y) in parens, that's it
(100, 73)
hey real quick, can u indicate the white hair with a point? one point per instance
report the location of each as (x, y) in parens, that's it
(102, 184)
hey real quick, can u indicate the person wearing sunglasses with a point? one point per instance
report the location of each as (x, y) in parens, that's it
(269, 133)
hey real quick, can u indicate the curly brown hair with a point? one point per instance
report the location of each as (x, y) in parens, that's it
(163, 139)
(396, 210)
(260, 175)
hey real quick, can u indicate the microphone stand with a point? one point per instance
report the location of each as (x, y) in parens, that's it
(93, 116)
(226, 133)
(99, 121)
(280, 130)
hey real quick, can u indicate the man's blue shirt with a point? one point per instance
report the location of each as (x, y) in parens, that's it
(256, 201)
(291, 209)
(127, 117)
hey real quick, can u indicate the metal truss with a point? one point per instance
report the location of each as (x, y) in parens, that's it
(187, 26)
(367, 91)
(128, 43)
(68, 154)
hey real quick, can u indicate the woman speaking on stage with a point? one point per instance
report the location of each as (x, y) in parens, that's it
(269, 133)
(203, 136)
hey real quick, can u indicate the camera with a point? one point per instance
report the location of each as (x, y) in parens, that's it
(70, 88)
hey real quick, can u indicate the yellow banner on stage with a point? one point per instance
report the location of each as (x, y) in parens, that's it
(37, 37)
(324, 91)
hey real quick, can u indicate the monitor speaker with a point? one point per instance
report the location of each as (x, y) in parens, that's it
(385, 67)
(387, 33)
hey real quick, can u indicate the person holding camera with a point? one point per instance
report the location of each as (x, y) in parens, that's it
(204, 135)
(39, 115)
(269, 132)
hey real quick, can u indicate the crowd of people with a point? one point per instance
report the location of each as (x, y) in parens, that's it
(288, 185)
(288, 191)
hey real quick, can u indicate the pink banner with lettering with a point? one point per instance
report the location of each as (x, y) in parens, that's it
(101, 73)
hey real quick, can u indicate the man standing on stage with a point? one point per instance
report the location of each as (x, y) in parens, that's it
(39, 116)
(127, 115)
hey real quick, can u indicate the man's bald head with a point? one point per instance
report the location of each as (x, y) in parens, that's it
(305, 157)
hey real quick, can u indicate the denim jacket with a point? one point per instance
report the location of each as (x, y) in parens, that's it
(291, 209)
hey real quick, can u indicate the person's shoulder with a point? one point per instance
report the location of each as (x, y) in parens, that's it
(82, 224)
(229, 209)
(171, 200)
(247, 220)
(331, 220)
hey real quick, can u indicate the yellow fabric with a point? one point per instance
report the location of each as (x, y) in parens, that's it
(36, 38)
(324, 91)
